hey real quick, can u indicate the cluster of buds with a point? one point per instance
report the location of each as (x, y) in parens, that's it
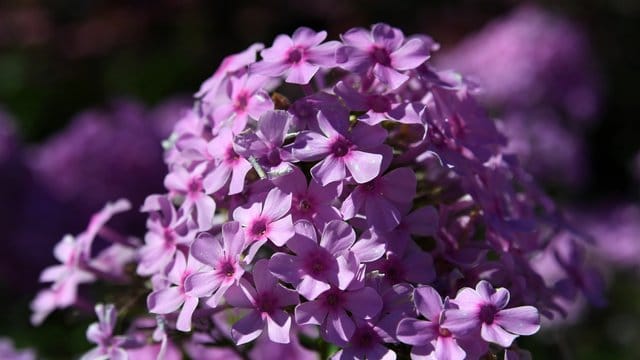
(335, 197)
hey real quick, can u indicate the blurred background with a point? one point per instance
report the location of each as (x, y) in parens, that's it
(88, 90)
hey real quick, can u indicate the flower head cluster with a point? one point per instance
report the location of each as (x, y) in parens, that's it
(373, 209)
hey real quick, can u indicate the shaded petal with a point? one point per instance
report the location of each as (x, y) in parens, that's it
(460, 321)
(310, 146)
(381, 213)
(240, 296)
(364, 303)
(389, 76)
(248, 328)
(428, 302)
(416, 332)
(244, 215)
(305, 37)
(273, 126)
(285, 267)
(339, 326)
(310, 313)
(216, 179)
(262, 278)
(238, 175)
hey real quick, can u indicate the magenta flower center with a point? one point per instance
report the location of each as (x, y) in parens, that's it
(295, 55)
(242, 100)
(444, 332)
(266, 303)
(488, 313)
(381, 56)
(340, 147)
(169, 237)
(305, 205)
(226, 268)
(273, 157)
(364, 338)
(334, 299)
(393, 270)
(230, 156)
(195, 186)
(317, 262)
(258, 228)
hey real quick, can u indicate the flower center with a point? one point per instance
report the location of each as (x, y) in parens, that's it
(488, 313)
(317, 263)
(333, 299)
(364, 338)
(258, 228)
(294, 56)
(195, 186)
(266, 303)
(273, 157)
(241, 102)
(230, 156)
(393, 270)
(381, 56)
(444, 332)
(340, 147)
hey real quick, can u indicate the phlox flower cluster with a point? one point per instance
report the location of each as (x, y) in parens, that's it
(334, 198)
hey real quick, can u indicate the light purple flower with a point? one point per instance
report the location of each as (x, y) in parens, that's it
(299, 57)
(167, 228)
(358, 150)
(383, 51)
(268, 220)
(317, 266)
(189, 183)
(246, 99)
(310, 202)
(223, 256)
(379, 107)
(9, 352)
(228, 165)
(382, 199)
(101, 334)
(410, 265)
(266, 303)
(365, 343)
(484, 308)
(265, 144)
(329, 310)
(174, 295)
(430, 337)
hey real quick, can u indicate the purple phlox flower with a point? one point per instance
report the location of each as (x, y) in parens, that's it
(268, 220)
(379, 107)
(316, 267)
(101, 334)
(265, 144)
(223, 256)
(430, 338)
(397, 304)
(329, 310)
(579, 275)
(410, 265)
(167, 228)
(366, 343)
(382, 51)
(305, 110)
(265, 349)
(189, 184)
(299, 57)
(382, 199)
(228, 165)
(174, 295)
(74, 256)
(359, 150)
(266, 303)
(310, 202)
(9, 352)
(484, 308)
(113, 259)
(246, 99)
(210, 88)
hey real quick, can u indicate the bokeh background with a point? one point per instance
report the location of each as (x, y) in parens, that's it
(88, 90)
